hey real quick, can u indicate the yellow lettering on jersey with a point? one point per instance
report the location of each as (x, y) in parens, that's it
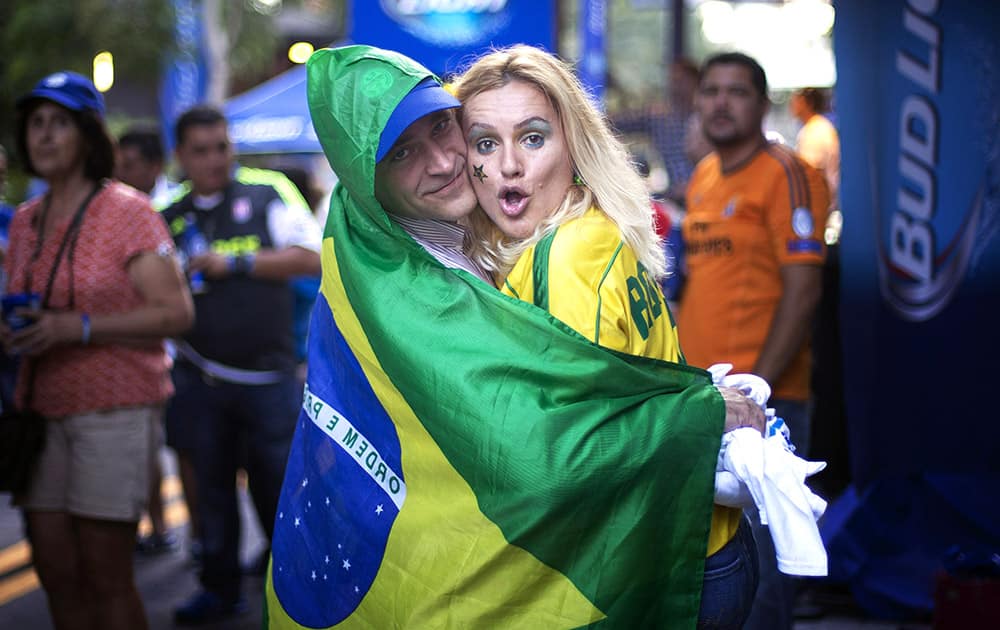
(237, 245)
(644, 301)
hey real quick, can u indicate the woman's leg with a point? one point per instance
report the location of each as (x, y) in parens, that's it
(106, 568)
(55, 555)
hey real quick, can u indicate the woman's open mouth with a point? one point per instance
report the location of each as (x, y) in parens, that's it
(512, 201)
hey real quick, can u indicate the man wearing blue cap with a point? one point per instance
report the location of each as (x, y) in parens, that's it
(447, 443)
(420, 173)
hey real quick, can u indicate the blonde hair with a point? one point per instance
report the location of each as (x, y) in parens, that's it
(610, 181)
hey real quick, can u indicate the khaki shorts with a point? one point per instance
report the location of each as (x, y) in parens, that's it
(96, 465)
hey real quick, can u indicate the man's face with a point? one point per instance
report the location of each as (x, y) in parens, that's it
(206, 156)
(731, 108)
(135, 170)
(423, 175)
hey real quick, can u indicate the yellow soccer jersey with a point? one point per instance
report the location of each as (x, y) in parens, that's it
(585, 275)
(588, 278)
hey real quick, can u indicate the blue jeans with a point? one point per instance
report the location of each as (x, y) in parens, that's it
(775, 600)
(234, 425)
(730, 583)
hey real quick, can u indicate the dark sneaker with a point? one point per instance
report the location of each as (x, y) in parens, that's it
(207, 607)
(156, 544)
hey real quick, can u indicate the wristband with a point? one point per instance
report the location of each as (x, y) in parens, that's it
(241, 265)
(85, 324)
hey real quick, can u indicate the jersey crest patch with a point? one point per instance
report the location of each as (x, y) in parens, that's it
(241, 210)
(802, 222)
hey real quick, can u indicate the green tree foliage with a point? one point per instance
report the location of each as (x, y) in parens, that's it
(38, 37)
(41, 37)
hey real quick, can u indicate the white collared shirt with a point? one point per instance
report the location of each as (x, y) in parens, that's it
(443, 240)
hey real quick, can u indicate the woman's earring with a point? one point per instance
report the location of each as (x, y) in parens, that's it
(577, 180)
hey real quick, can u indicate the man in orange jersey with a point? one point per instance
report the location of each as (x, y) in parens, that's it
(754, 238)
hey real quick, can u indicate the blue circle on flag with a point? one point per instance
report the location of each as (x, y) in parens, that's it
(337, 504)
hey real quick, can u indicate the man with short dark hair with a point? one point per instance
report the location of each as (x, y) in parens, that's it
(141, 165)
(235, 370)
(754, 234)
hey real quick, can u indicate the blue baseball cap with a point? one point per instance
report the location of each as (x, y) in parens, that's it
(425, 98)
(69, 89)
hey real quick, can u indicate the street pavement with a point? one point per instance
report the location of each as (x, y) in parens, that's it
(166, 580)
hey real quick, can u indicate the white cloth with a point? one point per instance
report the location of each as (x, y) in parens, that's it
(775, 478)
(762, 471)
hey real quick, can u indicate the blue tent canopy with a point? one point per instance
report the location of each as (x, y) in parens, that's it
(273, 117)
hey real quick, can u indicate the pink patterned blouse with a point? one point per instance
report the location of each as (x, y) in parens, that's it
(118, 225)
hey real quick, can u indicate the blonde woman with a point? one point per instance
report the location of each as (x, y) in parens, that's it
(565, 223)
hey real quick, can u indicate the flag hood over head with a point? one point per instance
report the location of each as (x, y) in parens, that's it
(352, 93)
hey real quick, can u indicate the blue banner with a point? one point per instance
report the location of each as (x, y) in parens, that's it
(918, 101)
(918, 97)
(593, 68)
(185, 79)
(446, 35)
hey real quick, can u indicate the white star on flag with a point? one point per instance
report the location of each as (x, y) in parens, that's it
(378, 509)
(347, 565)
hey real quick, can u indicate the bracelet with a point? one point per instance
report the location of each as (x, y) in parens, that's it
(241, 265)
(85, 323)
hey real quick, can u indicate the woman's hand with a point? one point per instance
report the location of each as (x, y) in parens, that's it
(49, 328)
(741, 411)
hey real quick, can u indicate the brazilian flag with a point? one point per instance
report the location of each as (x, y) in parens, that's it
(462, 459)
